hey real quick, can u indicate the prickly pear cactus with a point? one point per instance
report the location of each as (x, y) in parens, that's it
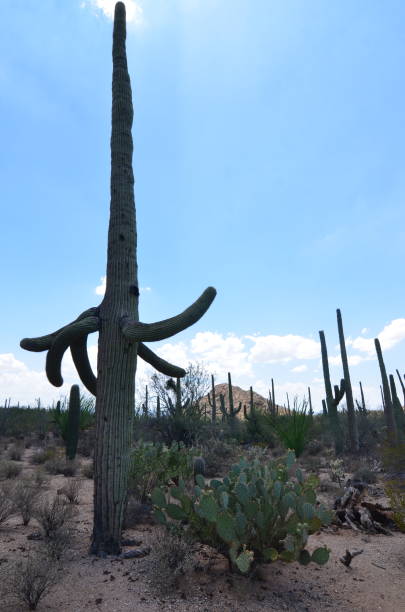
(257, 513)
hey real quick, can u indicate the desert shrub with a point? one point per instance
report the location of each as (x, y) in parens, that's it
(33, 578)
(259, 427)
(86, 442)
(43, 455)
(258, 513)
(172, 558)
(396, 495)
(88, 470)
(312, 463)
(71, 490)
(336, 471)
(364, 474)
(136, 512)
(155, 464)
(15, 452)
(16, 421)
(25, 495)
(179, 428)
(217, 454)
(6, 503)
(60, 465)
(52, 515)
(9, 469)
(314, 447)
(40, 478)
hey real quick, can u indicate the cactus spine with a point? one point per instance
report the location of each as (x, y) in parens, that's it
(332, 399)
(73, 422)
(387, 402)
(351, 412)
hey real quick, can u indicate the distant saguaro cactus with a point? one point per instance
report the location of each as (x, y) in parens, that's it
(231, 412)
(212, 400)
(387, 401)
(351, 412)
(73, 422)
(332, 399)
(121, 334)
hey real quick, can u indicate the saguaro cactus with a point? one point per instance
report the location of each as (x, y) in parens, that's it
(398, 412)
(387, 401)
(351, 412)
(121, 334)
(212, 400)
(332, 399)
(73, 422)
(231, 412)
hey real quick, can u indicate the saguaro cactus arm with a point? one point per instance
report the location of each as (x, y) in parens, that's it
(136, 331)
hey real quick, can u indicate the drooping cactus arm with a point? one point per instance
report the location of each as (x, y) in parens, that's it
(152, 332)
(69, 334)
(44, 343)
(158, 363)
(80, 357)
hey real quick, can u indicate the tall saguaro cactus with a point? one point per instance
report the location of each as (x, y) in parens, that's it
(386, 395)
(351, 412)
(332, 398)
(121, 334)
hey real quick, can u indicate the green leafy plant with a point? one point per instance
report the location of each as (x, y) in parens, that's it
(258, 513)
(156, 464)
(292, 427)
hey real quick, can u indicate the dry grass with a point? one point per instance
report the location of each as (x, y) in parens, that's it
(25, 496)
(33, 578)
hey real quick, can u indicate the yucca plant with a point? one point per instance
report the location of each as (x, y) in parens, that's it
(292, 427)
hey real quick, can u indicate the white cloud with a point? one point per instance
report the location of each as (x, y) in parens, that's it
(273, 349)
(364, 330)
(392, 334)
(100, 289)
(133, 9)
(300, 368)
(221, 353)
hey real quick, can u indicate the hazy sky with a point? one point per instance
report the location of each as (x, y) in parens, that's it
(269, 163)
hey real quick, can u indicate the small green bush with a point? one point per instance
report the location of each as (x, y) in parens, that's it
(365, 475)
(258, 513)
(15, 452)
(60, 465)
(43, 455)
(155, 464)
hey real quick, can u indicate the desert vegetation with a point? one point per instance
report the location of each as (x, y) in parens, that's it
(200, 492)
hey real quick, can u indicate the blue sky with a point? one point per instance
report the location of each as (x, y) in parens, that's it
(269, 157)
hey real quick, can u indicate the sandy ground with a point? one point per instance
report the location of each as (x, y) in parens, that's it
(375, 581)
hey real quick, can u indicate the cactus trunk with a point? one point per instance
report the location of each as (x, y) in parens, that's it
(73, 422)
(331, 401)
(387, 402)
(351, 412)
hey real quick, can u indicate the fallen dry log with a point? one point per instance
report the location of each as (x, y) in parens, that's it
(351, 510)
